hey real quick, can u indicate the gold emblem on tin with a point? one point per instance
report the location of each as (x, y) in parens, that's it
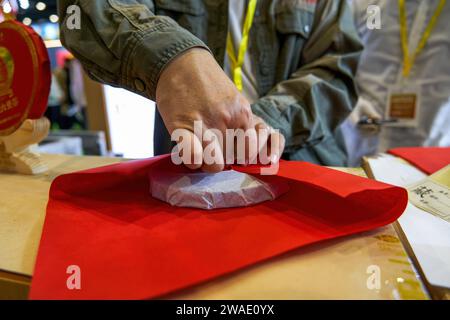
(6, 72)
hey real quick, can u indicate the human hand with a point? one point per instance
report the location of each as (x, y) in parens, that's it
(365, 110)
(193, 88)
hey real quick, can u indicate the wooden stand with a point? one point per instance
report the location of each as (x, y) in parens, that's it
(15, 150)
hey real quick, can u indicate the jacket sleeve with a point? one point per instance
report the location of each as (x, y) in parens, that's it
(309, 106)
(122, 42)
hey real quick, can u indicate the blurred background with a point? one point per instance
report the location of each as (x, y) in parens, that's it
(87, 118)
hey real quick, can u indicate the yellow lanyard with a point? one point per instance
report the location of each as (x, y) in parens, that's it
(238, 62)
(408, 60)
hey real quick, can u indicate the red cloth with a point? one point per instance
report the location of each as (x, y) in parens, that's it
(131, 246)
(427, 159)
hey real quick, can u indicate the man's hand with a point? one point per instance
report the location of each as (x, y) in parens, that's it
(365, 108)
(192, 88)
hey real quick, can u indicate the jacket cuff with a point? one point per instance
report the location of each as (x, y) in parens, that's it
(151, 50)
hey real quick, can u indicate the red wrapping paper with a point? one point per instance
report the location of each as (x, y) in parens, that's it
(131, 246)
(427, 159)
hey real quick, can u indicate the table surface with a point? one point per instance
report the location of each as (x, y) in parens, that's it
(337, 269)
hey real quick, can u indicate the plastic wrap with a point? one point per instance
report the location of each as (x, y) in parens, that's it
(227, 189)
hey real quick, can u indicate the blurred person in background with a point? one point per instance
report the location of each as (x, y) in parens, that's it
(53, 112)
(73, 101)
(77, 92)
(283, 64)
(403, 77)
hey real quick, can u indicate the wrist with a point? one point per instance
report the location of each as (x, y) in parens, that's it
(178, 70)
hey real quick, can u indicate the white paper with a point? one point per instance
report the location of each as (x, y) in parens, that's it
(432, 197)
(428, 235)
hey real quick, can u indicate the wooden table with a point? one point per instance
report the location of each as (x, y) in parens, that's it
(336, 269)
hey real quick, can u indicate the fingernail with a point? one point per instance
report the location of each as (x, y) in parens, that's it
(274, 158)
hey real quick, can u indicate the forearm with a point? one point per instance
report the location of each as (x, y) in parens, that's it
(121, 44)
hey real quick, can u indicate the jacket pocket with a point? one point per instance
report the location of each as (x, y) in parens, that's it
(189, 14)
(136, 13)
(192, 7)
(294, 17)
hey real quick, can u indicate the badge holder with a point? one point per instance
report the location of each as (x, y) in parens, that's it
(24, 89)
(403, 107)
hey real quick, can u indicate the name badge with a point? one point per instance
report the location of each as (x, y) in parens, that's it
(403, 106)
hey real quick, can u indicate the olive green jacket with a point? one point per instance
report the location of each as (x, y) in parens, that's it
(305, 55)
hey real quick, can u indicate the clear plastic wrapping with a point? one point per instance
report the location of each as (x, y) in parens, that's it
(227, 189)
